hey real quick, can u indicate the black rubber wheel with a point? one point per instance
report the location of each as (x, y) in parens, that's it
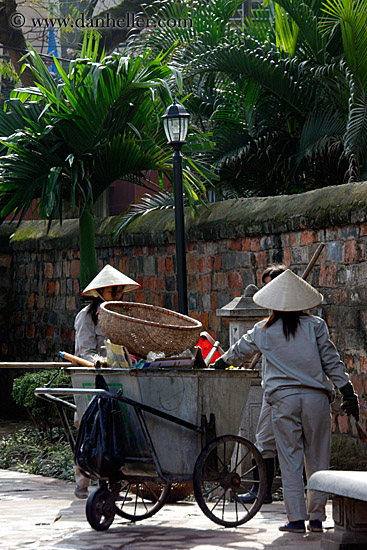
(100, 513)
(141, 500)
(223, 471)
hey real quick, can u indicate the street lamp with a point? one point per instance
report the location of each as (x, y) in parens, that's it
(176, 123)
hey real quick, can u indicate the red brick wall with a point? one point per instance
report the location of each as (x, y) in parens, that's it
(227, 248)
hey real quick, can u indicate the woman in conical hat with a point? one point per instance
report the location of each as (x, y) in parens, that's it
(109, 284)
(299, 361)
(265, 439)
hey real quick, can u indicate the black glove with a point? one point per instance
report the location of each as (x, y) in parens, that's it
(220, 364)
(350, 403)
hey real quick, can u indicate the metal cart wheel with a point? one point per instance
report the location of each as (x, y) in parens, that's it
(223, 471)
(141, 500)
(99, 511)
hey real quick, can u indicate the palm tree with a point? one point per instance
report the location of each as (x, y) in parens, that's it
(69, 139)
(285, 95)
(317, 76)
(349, 18)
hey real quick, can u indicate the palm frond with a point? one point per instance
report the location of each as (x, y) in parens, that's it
(204, 28)
(319, 128)
(356, 131)
(100, 121)
(287, 31)
(265, 66)
(260, 26)
(148, 203)
(351, 17)
(305, 15)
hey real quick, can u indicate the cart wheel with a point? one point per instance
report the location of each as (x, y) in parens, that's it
(222, 472)
(141, 500)
(100, 513)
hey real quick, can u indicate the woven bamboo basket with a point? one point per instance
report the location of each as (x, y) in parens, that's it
(142, 328)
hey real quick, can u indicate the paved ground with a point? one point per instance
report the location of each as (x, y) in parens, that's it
(41, 513)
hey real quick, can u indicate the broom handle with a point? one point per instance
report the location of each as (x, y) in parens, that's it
(211, 353)
(306, 273)
(75, 359)
(313, 260)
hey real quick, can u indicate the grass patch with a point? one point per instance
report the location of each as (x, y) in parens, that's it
(27, 451)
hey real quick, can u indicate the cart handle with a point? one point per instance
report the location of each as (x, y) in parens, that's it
(57, 401)
(43, 392)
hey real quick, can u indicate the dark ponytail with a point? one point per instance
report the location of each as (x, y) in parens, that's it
(96, 302)
(290, 319)
(93, 309)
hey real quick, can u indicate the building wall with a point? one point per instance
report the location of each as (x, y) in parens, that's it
(228, 247)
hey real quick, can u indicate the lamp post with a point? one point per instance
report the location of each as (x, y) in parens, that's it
(176, 123)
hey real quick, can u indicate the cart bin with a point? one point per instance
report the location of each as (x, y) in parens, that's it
(185, 394)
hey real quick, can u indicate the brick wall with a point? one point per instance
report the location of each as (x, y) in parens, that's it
(5, 287)
(6, 307)
(228, 246)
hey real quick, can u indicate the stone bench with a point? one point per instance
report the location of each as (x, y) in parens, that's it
(349, 508)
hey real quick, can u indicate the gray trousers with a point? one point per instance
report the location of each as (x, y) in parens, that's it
(80, 479)
(265, 440)
(302, 427)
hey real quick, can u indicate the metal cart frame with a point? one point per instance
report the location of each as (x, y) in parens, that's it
(223, 470)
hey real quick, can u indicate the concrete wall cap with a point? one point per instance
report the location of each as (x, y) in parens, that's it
(235, 218)
(350, 484)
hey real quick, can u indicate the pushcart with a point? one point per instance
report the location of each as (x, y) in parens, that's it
(181, 425)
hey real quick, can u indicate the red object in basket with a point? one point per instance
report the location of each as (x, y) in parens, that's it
(206, 347)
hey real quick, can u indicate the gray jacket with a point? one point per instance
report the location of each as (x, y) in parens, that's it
(304, 362)
(88, 336)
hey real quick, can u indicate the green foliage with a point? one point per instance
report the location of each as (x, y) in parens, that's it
(284, 96)
(42, 413)
(7, 71)
(27, 451)
(68, 139)
(350, 16)
(100, 121)
(208, 28)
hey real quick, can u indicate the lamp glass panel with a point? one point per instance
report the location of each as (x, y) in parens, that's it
(184, 128)
(175, 129)
(166, 129)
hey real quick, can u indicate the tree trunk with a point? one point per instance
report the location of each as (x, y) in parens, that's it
(13, 39)
(88, 265)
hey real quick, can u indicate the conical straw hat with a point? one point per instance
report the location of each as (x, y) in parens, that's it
(109, 276)
(288, 292)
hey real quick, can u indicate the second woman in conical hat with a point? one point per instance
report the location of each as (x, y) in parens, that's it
(299, 360)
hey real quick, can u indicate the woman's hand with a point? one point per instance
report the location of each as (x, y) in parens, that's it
(350, 403)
